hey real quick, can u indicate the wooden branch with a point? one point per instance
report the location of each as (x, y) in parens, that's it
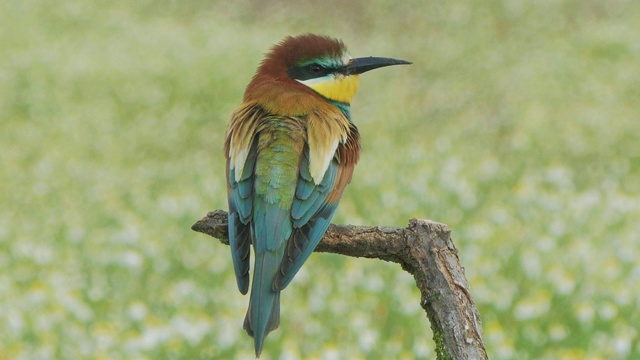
(426, 251)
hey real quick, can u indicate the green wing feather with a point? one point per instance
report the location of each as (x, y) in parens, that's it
(311, 214)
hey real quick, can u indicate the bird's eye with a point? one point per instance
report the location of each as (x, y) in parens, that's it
(315, 69)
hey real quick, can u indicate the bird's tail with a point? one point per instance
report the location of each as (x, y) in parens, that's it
(263, 314)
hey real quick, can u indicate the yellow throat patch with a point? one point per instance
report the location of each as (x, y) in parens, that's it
(336, 87)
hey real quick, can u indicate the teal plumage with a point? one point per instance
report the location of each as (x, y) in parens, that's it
(291, 149)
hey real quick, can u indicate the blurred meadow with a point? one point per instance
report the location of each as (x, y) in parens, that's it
(518, 125)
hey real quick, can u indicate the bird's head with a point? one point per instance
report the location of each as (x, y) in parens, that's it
(312, 64)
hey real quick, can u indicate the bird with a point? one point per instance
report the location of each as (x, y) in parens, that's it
(290, 148)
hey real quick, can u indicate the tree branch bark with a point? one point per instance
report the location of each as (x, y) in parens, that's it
(426, 251)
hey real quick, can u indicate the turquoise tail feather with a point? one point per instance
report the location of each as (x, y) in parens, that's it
(263, 314)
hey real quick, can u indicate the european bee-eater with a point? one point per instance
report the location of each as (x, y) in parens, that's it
(291, 148)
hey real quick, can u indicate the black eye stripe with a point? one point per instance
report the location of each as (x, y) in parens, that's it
(310, 71)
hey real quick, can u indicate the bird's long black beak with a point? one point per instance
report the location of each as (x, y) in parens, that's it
(360, 65)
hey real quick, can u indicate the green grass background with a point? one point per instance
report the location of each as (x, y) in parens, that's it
(518, 125)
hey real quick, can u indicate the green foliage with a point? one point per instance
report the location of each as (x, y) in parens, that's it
(517, 126)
